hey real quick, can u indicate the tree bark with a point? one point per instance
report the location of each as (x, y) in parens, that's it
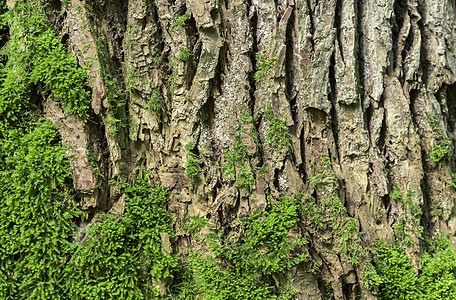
(368, 84)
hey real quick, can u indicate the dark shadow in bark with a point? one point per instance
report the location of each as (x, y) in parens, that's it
(312, 23)
(192, 33)
(326, 289)
(426, 208)
(338, 26)
(400, 10)
(253, 24)
(386, 201)
(451, 102)
(332, 97)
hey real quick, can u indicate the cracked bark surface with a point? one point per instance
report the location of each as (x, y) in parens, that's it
(355, 81)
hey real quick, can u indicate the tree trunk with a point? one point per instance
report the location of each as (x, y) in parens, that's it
(349, 101)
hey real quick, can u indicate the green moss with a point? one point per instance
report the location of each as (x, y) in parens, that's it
(118, 256)
(438, 272)
(452, 184)
(122, 254)
(398, 278)
(192, 225)
(237, 166)
(393, 277)
(44, 62)
(112, 79)
(93, 159)
(264, 65)
(191, 165)
(314, 215)
(247, 118)
(324, 176)
(37, 209)
(59, 72)
(437, 210)
(329, 290)
(440, 151)
(37, 203)
(115, 124)
(277, 133)
(328, 214)
(442, 148)
(157, 103)
(132, 80)
(371, 280)
(184, 54)
(180, 21)
(245, 269)
(408, 224)
(350, 244)
(397, 195)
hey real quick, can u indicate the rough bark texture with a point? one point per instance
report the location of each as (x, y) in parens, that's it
(368, 84)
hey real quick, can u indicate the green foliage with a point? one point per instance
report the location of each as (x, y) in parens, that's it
(264, 66)
(350, 245)
(246, 118)
(330, 212)
(39, 259)
(116, 97)
(36, 56)
(184, 54)
(398, 280)
(329, 215)
(156, 102)
(3, 20)
(437, 210)
(277, 133)
(36, 212)
(100, 3)
(438, 273)
(37, 207)
(397, 195)
(121, 255)
(266, 237)
(193, 225)
(452, 184)
(329, 290)
(180, 21)
(237, 166)
(58, 71)
(441, 149)
(93, 159)
(191, 165)
(132, 79)
(245, 269)
(115, 124)
(371, 279)
(173, 81)
(324, 176)
(314, 216)
(409, 222)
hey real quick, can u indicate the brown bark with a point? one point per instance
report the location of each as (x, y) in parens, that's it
(355, 81)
